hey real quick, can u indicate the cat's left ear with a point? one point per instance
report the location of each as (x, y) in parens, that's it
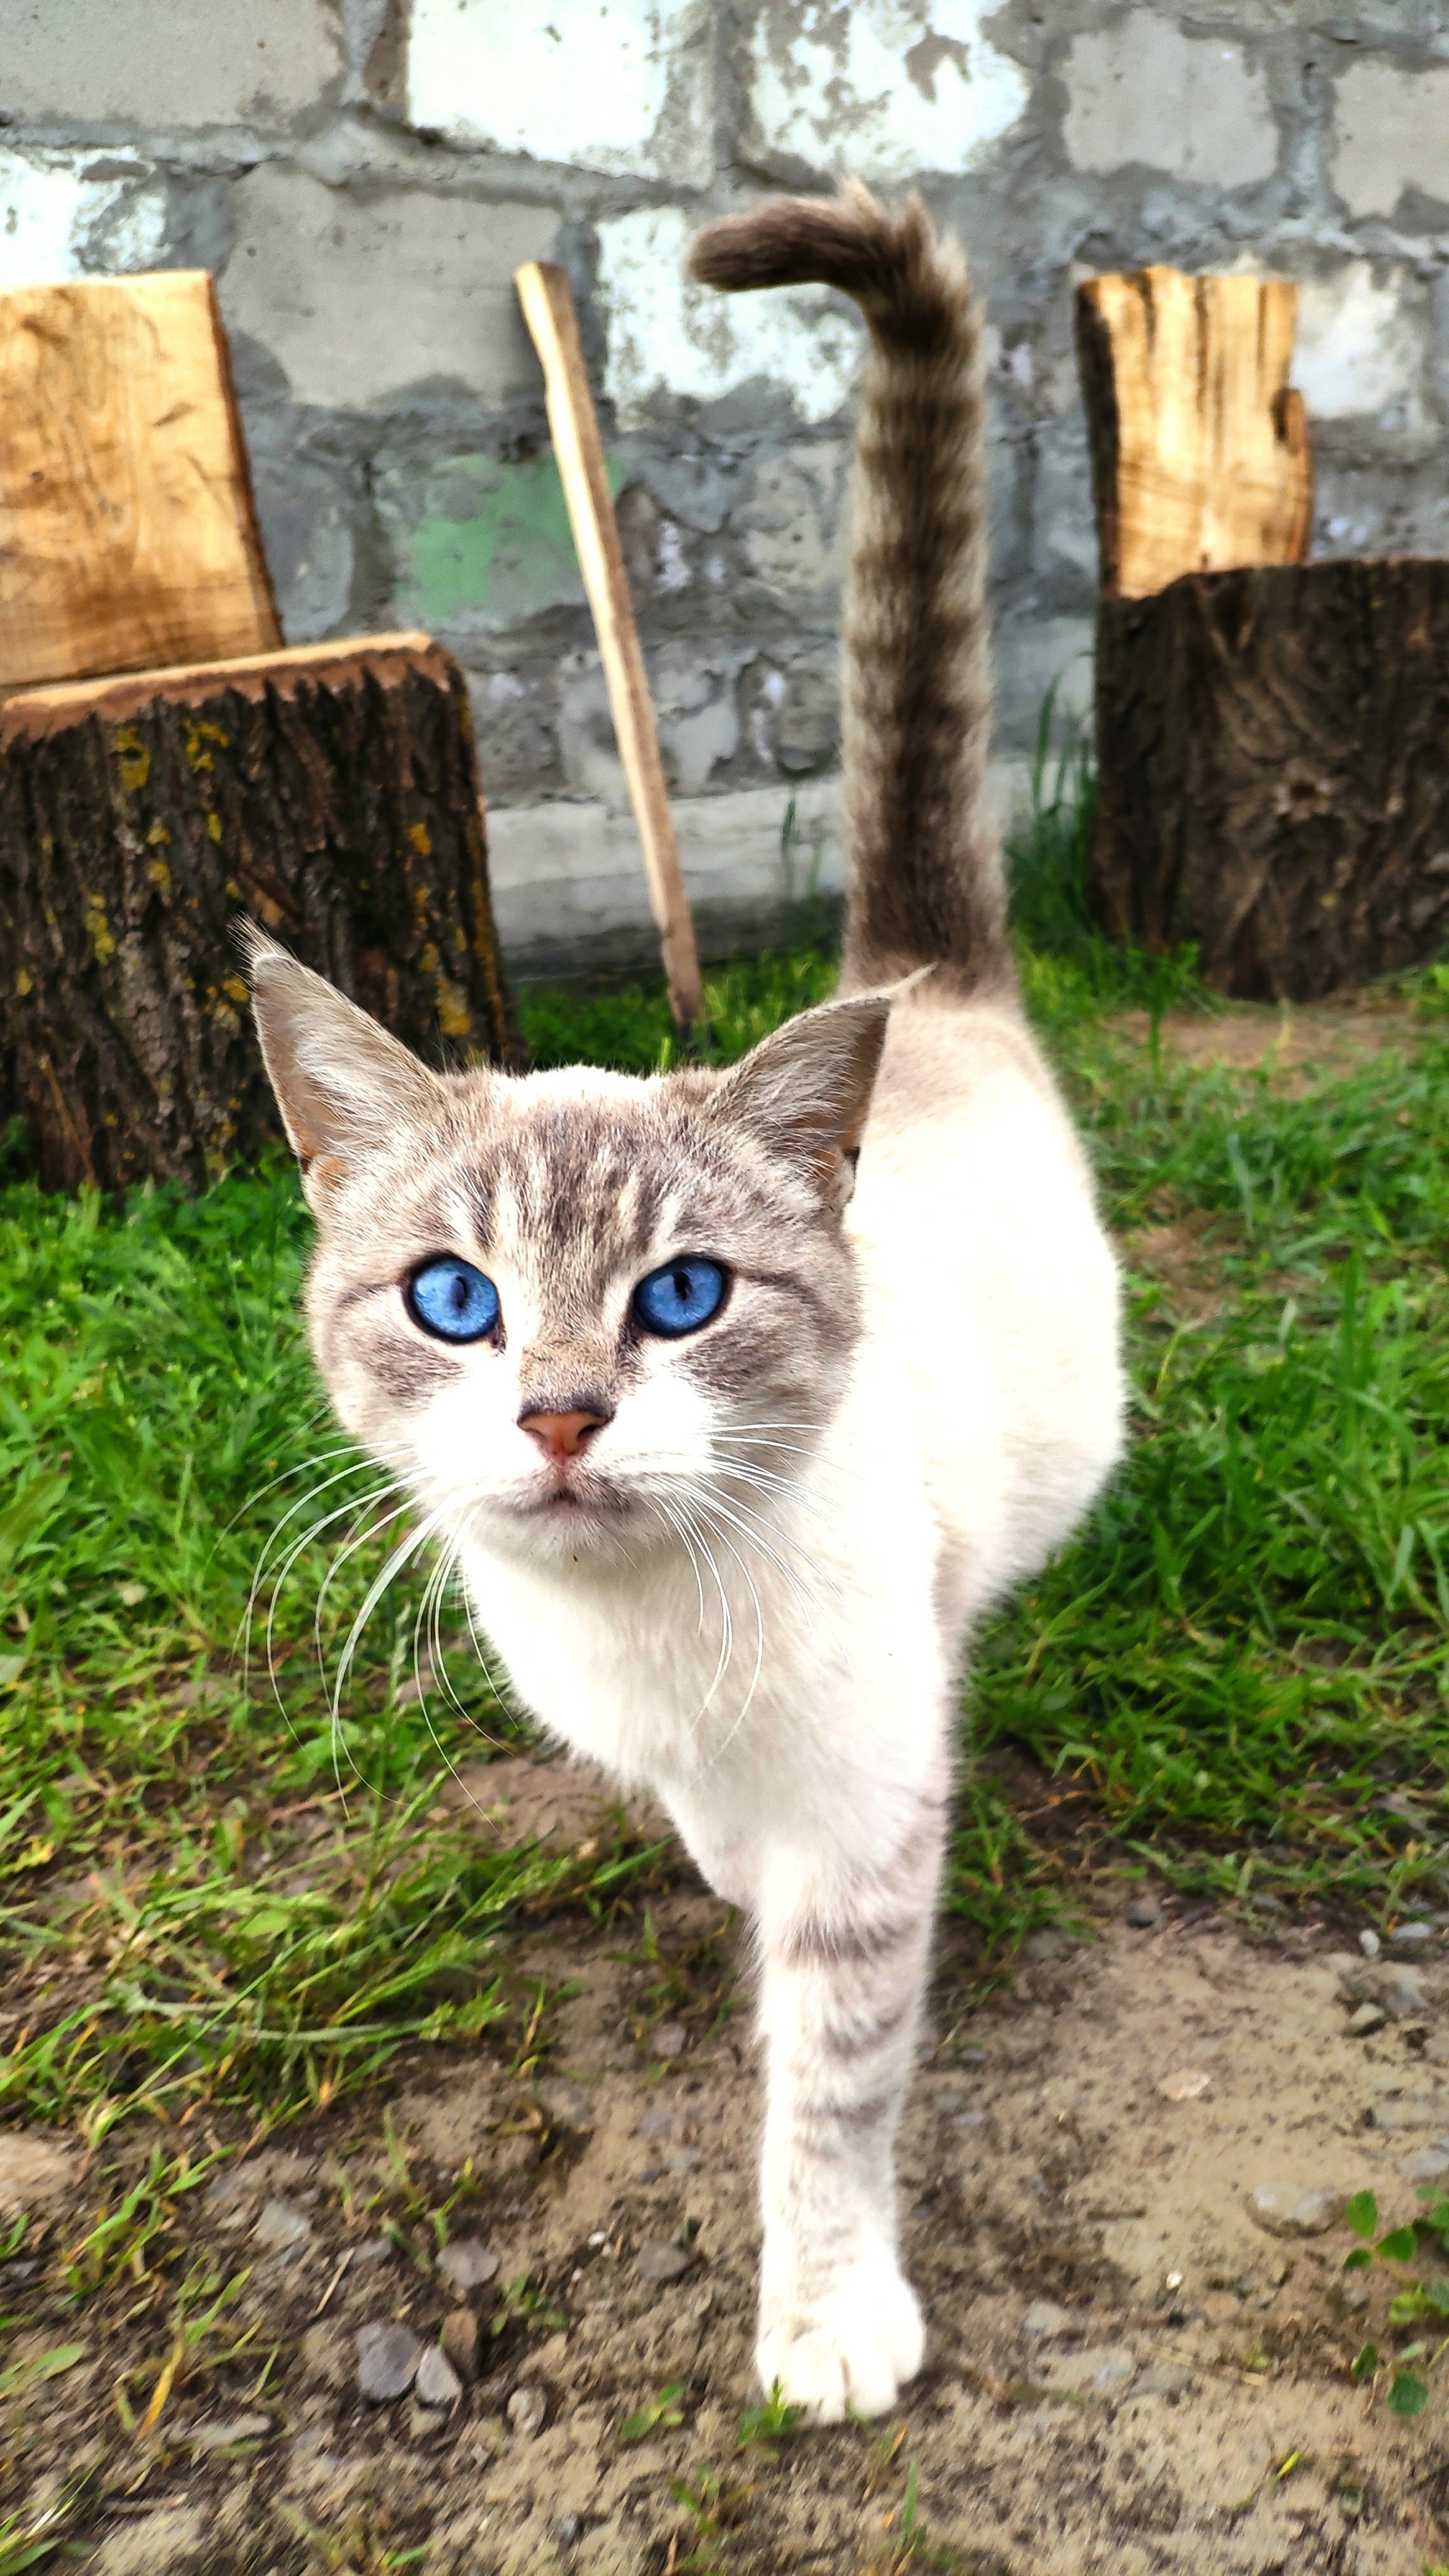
(343, 1086)
(805, 1091)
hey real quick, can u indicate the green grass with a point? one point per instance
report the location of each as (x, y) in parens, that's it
(223, 1898)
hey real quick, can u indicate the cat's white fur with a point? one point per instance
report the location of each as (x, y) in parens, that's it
(982, 1412)
(762, 1615)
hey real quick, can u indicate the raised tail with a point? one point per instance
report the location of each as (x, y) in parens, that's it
(926, 886)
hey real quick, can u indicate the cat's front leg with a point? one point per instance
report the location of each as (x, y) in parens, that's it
(840, 2327)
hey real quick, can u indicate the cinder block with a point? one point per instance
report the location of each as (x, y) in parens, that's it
(569, 891)
(568, 886)
(1190, 105)
(695, 707)
(481, 546)
(623, 89)
(878, 89)
(357, 296)
(668, 338)
(795, 523)
(1064, 535)
(57, 221)
(1359, 349)
(1033, 655)
(257, 63)
(1393, 134)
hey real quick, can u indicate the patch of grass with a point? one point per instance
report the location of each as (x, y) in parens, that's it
(1246, 1653)
(228, 1887)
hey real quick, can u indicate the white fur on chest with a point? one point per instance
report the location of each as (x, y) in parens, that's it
(810, 1718)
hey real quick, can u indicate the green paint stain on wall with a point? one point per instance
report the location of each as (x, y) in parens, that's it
(493, 538)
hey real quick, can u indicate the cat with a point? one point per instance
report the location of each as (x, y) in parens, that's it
(737, 1395)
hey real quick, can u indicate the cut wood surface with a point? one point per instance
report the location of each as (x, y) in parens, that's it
(330, 793)
(1200, 455)
(128, 536)
(1272, 774)
(549, 312)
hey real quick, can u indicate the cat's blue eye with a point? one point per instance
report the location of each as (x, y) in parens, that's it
(451, 1299)
(681, 1296)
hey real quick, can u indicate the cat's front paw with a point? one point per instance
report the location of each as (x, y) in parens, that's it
(849, 2353)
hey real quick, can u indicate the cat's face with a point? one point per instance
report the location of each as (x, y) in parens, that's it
(572, 1309)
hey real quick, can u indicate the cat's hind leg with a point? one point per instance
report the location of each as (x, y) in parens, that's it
(840, 2328)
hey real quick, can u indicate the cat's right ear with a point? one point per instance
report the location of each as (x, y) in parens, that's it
(343, 1086)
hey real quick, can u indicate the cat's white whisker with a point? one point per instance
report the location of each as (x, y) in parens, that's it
(748, 1700)
(308, 1538)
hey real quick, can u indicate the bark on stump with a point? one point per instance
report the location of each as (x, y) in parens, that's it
(329, 793)
(1273, 772)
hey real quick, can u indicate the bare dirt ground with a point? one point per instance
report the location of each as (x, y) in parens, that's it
(1128, 2368)
(1294, 1043)
(1133, 2365)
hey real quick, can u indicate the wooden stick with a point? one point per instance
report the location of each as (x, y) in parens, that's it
(548, 309)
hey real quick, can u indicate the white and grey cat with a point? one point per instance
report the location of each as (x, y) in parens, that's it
(738, 1395)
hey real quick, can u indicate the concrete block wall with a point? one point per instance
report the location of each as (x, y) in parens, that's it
(364, 176)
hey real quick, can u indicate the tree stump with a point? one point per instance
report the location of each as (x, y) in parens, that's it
(1273, 772)
(330, 793)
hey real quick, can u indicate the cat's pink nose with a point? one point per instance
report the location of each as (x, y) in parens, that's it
(561, 1435)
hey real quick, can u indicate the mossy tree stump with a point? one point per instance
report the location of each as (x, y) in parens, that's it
(328, 793)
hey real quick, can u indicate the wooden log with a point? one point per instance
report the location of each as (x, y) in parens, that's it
(548, 309)
(128, 536)
(330, 793)
(1272, 772)
(1200, 456)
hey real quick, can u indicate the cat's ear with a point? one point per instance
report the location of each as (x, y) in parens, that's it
(343, 1086)
(805, 1091)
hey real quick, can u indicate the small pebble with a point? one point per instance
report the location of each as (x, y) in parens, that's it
(280, 2224)
(658, 2123)
(1409, 2111)
(970, 2056)
(1368, 2017)
(1144, 1914)
(388, 2355)
(1427, 2164)
(527, 2408)
(670, 2040)
(681, 2160)
(1404, 1995)
(1410, 1933)
(460, 2342)
(657, 2261)
(1286, 2209)
(375, 2249)
(437, 2382)
(569, 2529)
(1370, 1944)
(466, 2264)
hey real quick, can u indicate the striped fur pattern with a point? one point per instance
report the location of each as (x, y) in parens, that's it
(925, 863)
(750, 1587)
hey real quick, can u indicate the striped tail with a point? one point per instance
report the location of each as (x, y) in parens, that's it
(926, 884)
